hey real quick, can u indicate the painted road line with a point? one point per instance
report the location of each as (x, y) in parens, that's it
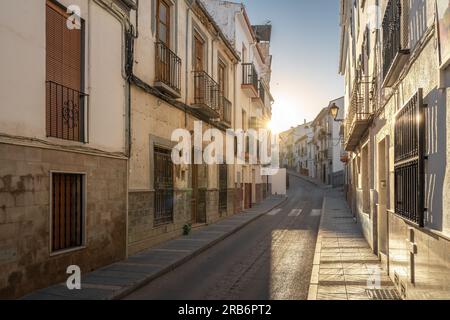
(316, 213)
(274, 212)
(295, 212)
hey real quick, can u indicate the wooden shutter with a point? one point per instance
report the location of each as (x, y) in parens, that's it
(64, 45)
(67, 211)
(63, 71)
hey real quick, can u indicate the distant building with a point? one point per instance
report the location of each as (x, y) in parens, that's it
(314, 149)
(328, 146)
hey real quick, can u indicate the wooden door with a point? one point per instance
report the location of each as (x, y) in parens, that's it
(195, 194)
(199, 53)
(163, 23)
(248, 196)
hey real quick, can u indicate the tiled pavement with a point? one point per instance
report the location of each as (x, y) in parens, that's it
(344, 264)
(119, 279)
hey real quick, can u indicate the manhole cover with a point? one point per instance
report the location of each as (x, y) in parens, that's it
(383, 294)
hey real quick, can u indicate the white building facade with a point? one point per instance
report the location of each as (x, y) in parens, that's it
(63, 145)
(396, 133)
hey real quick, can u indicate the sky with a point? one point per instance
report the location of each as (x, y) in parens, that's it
(305, 49)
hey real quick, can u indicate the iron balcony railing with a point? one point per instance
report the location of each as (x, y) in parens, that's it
(359, 109)
(249, 75)
(67, 113)
(256, 123)
(168, 67)
(206, 91)
(225, 110)
(395, 37)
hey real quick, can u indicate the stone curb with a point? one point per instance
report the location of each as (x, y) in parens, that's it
(127, 290)
(314, 282)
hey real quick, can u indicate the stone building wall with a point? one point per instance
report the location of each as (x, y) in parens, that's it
(26, 263)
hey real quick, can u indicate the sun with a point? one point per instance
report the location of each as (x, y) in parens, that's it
(272, 127)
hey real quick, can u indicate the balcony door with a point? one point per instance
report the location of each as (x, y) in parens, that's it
(163, 72)
(163, 22)
(199, 53)
(64, 75)
(222, 78)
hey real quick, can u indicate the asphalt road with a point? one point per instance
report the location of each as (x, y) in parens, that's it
(269, 259)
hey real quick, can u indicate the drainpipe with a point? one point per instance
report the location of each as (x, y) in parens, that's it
(128, 36)
(235, 123)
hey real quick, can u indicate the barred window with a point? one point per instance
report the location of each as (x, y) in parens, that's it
(409, 161)
(67, 206)
(164, 186)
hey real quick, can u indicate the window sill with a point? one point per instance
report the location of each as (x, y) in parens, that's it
(67, 251)
(161, 225)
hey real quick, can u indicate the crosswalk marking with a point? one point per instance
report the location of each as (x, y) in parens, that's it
(316, 212)
(295, 212)
(274, 212)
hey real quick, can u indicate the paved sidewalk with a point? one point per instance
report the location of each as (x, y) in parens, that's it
(345, 267)
(119, 279)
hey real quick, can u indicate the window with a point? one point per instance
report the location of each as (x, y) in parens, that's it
(409, 161)
(223, 187)
(199, 52)
(66, 107)
(244, 53)
(222, 78)
(67, 207)
(164, 186)
(163, 22)
(168, 64)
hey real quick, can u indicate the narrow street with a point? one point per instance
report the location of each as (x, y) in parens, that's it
(269, 259)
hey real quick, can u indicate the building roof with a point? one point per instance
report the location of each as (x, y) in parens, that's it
(218, 30)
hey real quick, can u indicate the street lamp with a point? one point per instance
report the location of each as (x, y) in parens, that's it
(334, 111)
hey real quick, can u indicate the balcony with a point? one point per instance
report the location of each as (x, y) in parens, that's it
(250, 79)
(168, 71)
(225, 106)
(359, 116)
(325, 155)
(261, 98)
(395, 42)
(257, 123)
(67, 113)
(324, 134)
(206, 95)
